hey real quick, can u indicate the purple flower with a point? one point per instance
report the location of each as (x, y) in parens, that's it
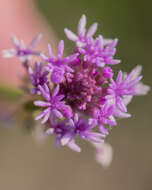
(20, 50)
(37, 77)
(140, 88)
(83, 129)
(123, 89)
(104, 115)
(58, 65)
(81, 95)
(125, 100)
(84, 89)
(107, 72)
(96, 52)
(64, 134)
(81, 38)
(99, 51)
(124, 85)
(53, 104)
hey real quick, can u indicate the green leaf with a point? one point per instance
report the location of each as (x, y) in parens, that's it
(9, 93)
(29, 106)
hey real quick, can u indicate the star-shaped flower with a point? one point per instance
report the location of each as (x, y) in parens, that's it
(104, 115)
(99, 54)
(64, 134)
(81, 38)
(58, 65)
(38, 77)
(83, 129)
(22, 52)
(53, 104)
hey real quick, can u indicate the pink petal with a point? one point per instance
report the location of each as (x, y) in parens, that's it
(46, 117)
(57, 113)
(72, 145)
(56, 90)
(70, 35)
(81, 26)
(92, 30)
(41, 103)
(60, 48)
(50, 50)
(15, 41)
(103, 153)
(142, 89)
(35, 41)
(65, 140)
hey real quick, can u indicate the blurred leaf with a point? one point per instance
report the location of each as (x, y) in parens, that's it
(9, 93)
(29, 106)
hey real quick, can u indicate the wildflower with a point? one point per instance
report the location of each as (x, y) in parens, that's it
(139, 88)
(97, 53)
(82, 36)
(64, 134)
(104, 115)
(58, 65)
(37, 78)
(83, 129)
(53, 104)
(20, 50)
(83, 89)
(124, 85)
(82, 98)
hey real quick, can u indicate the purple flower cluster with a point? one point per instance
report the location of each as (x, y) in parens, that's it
(78, 94)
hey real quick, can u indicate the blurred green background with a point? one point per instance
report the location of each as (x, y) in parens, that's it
(26, 165)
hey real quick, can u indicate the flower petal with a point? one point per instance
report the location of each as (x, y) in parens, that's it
(72, 145)
(60, 49)
(81, 26)
(70, 35)
(92, 30)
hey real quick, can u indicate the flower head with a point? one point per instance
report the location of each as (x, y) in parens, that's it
(20, 50)
(64, 134)
(82, 98)
(53, 104)
(37, 78)
(96, 52)
(83, 129)
(58, 65)
(104, 115)
(81, 38)
(124, 85)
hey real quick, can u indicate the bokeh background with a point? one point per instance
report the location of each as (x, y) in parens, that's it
(24, 164)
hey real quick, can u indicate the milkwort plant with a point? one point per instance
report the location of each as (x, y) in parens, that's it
(77, 95)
